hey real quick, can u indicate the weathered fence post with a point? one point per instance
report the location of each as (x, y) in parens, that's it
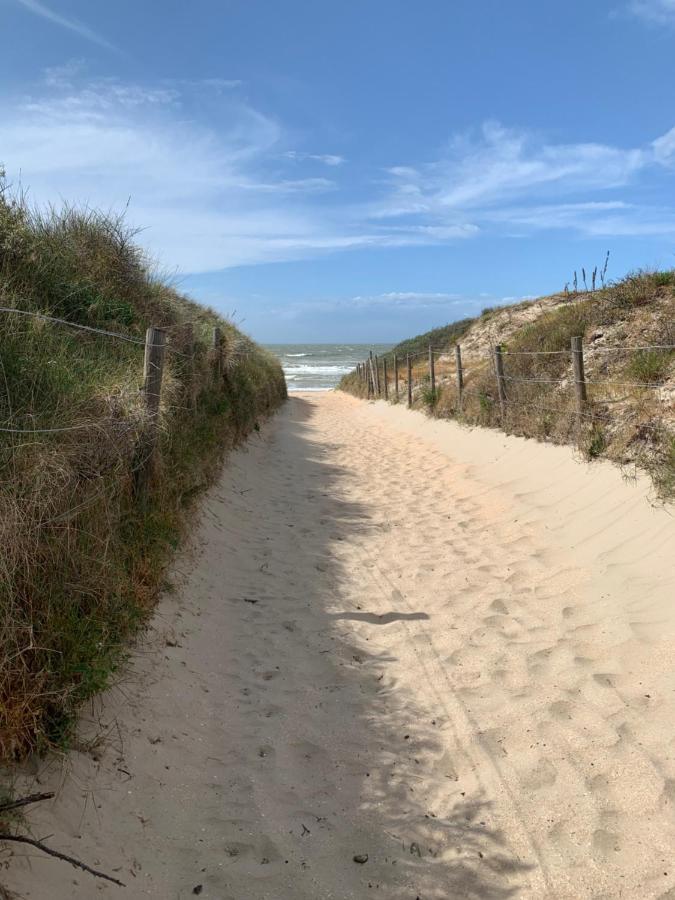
(384, 377)
(501, 387)
(579, 376)
(432, 369)
(217, 352)
(410, 386)
(396, 376)
(460, 376)
(153, 370)
(378, 386)
(371, 375)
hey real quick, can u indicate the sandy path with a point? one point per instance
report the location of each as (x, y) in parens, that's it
(451, 651)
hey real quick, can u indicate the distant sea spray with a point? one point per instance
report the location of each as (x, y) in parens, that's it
(319, 367)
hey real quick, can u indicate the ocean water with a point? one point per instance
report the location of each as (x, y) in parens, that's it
(319, 367)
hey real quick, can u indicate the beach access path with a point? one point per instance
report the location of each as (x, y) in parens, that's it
(401, 659)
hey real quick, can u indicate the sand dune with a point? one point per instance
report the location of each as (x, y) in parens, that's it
(448, 651)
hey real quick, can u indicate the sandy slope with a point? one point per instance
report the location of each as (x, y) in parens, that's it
(451, 651)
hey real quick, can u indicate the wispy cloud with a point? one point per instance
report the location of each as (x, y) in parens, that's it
(210, 190)
(406, 300)
(659, 12)
(509, 177)
(502, 164)
(328, 159)
(214, 184)
(39, 9)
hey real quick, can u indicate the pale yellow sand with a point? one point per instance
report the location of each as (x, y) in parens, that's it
(449, 650)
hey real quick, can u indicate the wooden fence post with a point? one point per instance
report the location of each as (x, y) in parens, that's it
(153, 370)
(378, 386)
(501, 388)
(217, 351)
(396, 376)
(432, 369)
(410, 386)
(371, 375)
(579, 376)
(460, 376)
(384, 377)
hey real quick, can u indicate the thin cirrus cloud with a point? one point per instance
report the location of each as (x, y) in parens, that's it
(328, 159)
(84, 31)
(221, 188)
(513, 178)
(396, 302)
(659, 12)
(207, 196)
(503, 164)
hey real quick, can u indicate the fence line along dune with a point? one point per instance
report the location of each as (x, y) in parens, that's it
(95, 476)
(595, 369)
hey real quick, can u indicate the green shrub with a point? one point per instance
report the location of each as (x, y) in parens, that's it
(597, 442)
(649, 366)
(430, 396)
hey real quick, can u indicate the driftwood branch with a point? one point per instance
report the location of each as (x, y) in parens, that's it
(22, 839)
(25, 801)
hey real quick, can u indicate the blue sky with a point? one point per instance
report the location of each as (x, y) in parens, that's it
(361, 170)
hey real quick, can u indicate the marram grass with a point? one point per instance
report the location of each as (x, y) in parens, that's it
(81, 558)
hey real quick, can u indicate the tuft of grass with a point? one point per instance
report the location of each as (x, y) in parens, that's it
(430, 396)
(649, 366)
(81, 559)
(640, 288)
(596, 441)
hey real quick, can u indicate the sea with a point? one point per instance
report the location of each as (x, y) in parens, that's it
(319, 367)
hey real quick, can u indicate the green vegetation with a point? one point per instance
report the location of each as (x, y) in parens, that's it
(82, 558)
(625, 418)
(649, 366)
(437, 337)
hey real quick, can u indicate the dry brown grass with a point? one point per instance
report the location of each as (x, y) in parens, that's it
(629, 418)
(82, 559)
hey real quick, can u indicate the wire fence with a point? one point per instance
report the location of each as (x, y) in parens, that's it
(156, 344)
(396, 377)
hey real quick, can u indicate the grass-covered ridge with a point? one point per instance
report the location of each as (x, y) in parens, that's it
(437, 337)
(630, 413)
(81, 557)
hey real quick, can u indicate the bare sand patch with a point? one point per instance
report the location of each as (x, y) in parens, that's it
(448, 651)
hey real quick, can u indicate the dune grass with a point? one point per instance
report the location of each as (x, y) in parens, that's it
(81, 558)
(629, 417)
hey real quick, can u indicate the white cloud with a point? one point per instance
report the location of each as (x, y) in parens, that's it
(207, 198)
(220, 188)
(406, 300)
(513, 178)
(660, 12)
(328, 159)
(39, 9)
(394, 302)
(594, 219)
(503, 164)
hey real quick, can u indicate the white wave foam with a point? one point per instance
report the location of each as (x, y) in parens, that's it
(304, 369)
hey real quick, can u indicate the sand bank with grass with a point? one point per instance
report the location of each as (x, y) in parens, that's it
(402, 659)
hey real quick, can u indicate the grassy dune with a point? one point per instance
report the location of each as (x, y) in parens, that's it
(630, 414)
(81, 557)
